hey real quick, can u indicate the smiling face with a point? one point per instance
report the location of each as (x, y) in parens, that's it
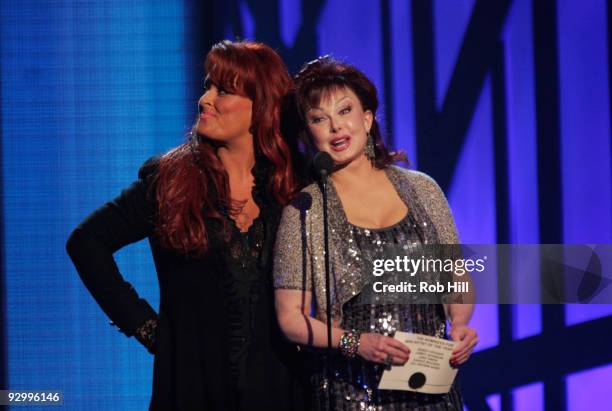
(339, 125)
(224, 116)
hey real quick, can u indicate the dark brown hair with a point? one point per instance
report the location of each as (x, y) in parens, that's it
(325, 74)
(192, 182)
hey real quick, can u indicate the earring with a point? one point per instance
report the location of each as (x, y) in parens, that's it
(369, 148)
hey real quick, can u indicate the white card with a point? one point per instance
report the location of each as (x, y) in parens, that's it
(427, 370)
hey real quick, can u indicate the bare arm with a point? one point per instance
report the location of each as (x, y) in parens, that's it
(460, 315)
(293, 312)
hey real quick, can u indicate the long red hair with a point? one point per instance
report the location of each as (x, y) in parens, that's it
(192, 183)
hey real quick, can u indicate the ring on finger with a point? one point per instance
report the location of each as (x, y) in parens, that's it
(389, 360)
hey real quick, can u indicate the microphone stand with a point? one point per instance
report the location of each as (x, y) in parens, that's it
(328, 310)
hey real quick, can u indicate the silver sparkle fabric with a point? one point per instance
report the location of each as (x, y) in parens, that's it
(299, 264)
(299, 250)
(354, 381)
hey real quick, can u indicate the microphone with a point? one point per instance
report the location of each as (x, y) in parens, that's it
(322, 164)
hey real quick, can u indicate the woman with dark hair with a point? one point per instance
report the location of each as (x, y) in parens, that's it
(376, 211)
(210, 208)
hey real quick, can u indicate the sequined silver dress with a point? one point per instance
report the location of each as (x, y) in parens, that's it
(299, 264)
(354, 381)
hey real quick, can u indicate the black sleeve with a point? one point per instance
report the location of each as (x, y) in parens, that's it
(124, 220)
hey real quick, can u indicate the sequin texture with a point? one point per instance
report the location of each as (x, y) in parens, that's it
(299, 264)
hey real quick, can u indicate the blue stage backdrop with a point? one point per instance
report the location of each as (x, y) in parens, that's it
(506, 104)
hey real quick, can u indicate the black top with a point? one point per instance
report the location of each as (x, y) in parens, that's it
(216, 341)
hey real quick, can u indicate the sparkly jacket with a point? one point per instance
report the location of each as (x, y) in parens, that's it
(299, 251)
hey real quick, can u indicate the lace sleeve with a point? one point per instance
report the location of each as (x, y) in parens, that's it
(146, 334)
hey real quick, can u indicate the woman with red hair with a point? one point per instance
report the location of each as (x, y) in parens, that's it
(210, 208)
